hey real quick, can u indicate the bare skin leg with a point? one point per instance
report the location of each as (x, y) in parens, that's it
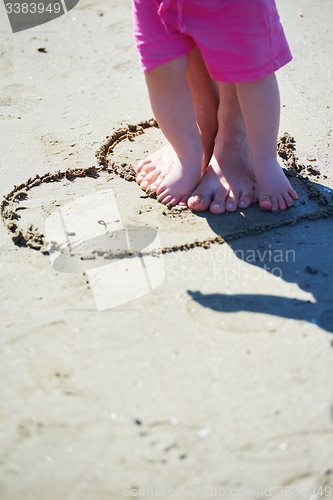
(172, 105)
(260, 105)
(229, 181)
(153, 169)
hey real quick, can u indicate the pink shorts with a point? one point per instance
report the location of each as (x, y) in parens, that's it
(240, 40)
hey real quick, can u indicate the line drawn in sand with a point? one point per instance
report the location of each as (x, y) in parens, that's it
(315, 203)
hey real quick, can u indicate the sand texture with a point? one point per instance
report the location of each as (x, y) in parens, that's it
(159, 348)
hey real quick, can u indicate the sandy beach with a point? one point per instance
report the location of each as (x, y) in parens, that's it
(198, 364)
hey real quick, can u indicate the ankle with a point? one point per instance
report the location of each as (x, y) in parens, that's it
(208, 136)
(192, 151)
(263, 159)
(234, 139)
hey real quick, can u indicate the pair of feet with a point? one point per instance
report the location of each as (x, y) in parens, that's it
(228, 182)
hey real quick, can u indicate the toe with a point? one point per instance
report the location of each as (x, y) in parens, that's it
(265, 202)
(199, 201)
(160, 188)
(246, 199)
(281, 203)
(160, 179)
(146, 169)
(275, 204)
(140, 178)
(203, 195)
(161, 191)
(143, 174)
(183, 201)
(152, 176)
(174, 201)
(231, 203)
(165, 199)
(218, 204)
(151, 189)
(287, 198)
(141, 164)
(144, 185)
(293, 194)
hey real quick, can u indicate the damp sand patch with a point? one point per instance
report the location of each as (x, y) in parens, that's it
(25, 209)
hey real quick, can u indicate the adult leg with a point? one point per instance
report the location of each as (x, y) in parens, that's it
(229, 181)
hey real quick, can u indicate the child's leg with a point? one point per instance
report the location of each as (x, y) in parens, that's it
(260, 104)
(153, 169)
(171, 102)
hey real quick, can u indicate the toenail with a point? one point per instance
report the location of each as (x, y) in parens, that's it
(199, 199)
(216, 205)
(230, 205)
(152, 188)
(242, 203)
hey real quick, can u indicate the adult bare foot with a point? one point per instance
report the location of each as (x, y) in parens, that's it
(229, 181)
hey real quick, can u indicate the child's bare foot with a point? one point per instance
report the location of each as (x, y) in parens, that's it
(229, 181)
(274, 189)
(152, 170)
(181, 180)
(180, 177)
(260, 104)
(173, 179)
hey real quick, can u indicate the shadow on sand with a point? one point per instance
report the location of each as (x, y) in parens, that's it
(308, 246)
